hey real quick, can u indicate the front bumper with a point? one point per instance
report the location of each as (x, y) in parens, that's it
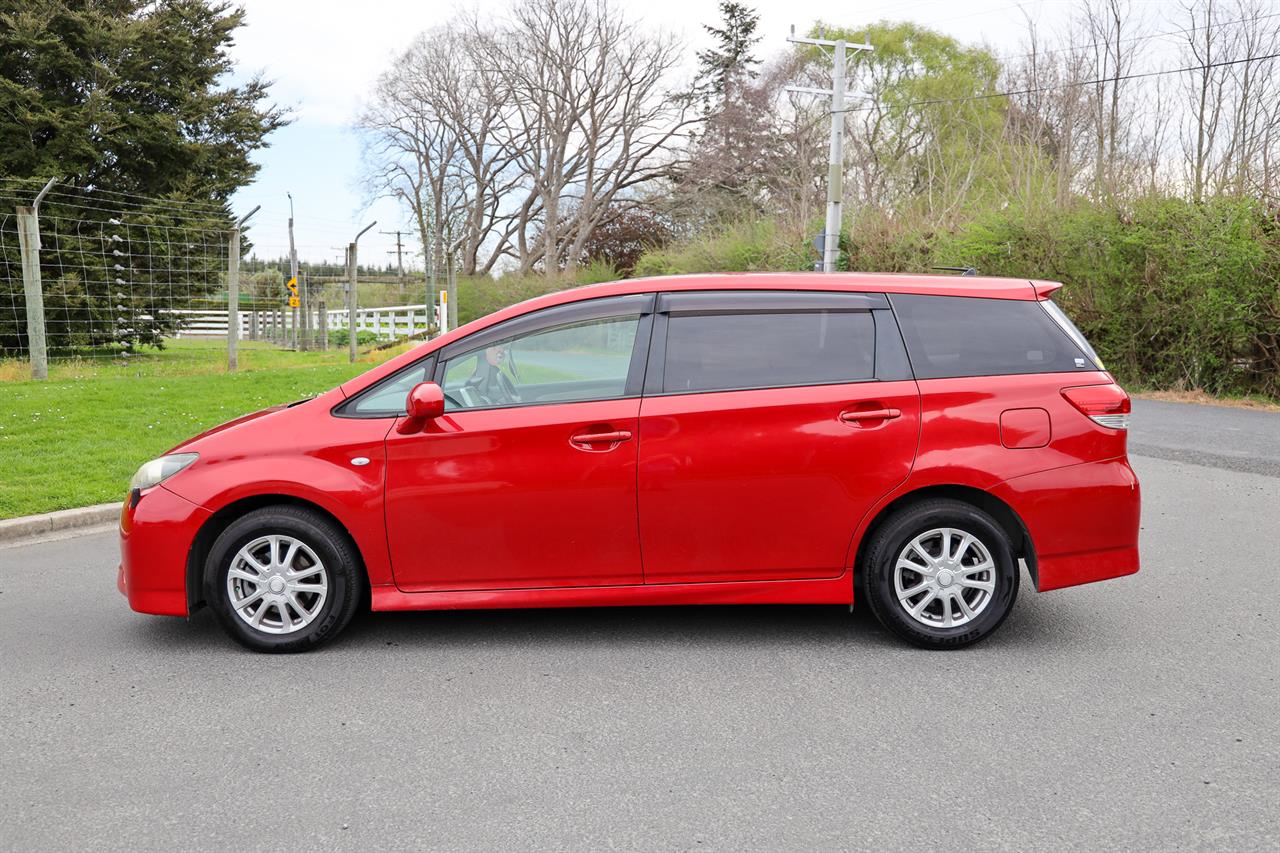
(1083, 521)
(155, 540)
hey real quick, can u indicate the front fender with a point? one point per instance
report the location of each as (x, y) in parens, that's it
(325, 477)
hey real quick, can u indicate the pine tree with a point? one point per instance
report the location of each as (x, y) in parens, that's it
(721, 175)
(119, 99)
(727, 66)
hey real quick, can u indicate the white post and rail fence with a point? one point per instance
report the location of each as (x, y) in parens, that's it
(388, 323)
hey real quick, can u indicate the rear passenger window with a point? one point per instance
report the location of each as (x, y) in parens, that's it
(717, 352)
(968, 336)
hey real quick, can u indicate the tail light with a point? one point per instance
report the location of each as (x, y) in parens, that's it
(1106, 405)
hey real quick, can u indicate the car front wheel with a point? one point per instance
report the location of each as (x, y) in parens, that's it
(282, 579)
(940, 574)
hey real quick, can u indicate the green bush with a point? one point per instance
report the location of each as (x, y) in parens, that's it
(1172, 294)
(744, 247)
(483, 295)
(364, 338)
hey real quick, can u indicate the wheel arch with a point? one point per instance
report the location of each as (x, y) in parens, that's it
(1005, 516)
(224, 517)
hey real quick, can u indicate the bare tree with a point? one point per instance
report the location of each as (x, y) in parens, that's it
(594, 115)
(435, 133)
(1107, 26)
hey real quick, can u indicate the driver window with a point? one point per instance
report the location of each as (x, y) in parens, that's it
(572, 363)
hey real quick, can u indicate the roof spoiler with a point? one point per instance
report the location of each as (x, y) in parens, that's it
(1044, 288)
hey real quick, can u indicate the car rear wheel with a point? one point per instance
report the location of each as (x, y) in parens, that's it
(940, 574)
(282, 579)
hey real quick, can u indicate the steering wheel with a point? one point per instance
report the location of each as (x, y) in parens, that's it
(497, 391)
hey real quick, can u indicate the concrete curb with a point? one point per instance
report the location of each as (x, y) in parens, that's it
(28, 526)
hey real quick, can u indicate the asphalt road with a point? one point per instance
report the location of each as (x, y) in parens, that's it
(1139, 713)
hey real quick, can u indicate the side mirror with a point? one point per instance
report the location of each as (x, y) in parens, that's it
(425, 403)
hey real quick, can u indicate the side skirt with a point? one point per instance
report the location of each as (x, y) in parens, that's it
(837, 590)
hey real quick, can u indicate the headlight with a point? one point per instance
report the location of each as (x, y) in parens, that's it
(158, 470)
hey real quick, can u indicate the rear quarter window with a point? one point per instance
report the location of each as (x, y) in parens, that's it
(969, 336)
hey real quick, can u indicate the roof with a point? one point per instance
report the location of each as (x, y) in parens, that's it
(934, 285)
(854, 282)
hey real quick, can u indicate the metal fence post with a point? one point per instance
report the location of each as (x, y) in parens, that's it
(29, 248)
(304, 314)
(323, 319)
(233, 291)
(351, 292)
(29, 245)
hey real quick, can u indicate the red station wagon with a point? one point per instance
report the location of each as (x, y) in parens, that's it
(713, 439)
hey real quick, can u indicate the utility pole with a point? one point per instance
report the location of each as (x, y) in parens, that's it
(399, 252)
(293, 274)
(451, 277)
(835, 160)
(351, 292)
(29, 247)
(433, 290)
(233, 291)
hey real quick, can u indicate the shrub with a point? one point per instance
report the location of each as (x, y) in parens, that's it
(1172, 294)
(744, 247)
(339, 338)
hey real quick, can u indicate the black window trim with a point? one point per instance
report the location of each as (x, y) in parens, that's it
(767, 301)
(729, 302)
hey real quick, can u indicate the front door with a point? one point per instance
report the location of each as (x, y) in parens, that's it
(529, 479)
(767, 434)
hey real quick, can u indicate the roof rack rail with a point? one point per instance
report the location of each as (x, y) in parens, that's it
(961, 270)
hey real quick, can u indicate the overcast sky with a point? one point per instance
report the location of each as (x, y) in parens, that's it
(325, 55)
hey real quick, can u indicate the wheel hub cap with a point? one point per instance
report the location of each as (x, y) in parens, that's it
(277, 584)
(944, 577)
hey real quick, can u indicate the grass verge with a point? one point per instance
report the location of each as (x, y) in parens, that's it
(77, 438)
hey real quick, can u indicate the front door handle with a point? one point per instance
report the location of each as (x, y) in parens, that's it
(586, 440)
(854, 417)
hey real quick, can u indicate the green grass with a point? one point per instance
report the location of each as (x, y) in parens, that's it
(77, 438)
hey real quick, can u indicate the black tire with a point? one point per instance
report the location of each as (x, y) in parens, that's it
(890, 540)
(336, 553)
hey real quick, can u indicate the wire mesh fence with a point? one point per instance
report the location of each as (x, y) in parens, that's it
(116, 273)
(108, 275)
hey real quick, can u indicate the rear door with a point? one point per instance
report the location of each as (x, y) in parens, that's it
(772, 421)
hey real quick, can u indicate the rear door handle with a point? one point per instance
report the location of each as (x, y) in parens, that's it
(853, 417)
(602, 437)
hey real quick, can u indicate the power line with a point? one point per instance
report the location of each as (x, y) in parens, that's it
(1117, 79)
(128, 198)
(1134, 39)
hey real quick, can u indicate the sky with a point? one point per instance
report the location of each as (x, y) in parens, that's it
(325, 56)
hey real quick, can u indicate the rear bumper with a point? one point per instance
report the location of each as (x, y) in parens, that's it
(155, 539)
(1083, 521)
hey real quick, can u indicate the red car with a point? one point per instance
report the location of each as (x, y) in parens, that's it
(712, 439)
